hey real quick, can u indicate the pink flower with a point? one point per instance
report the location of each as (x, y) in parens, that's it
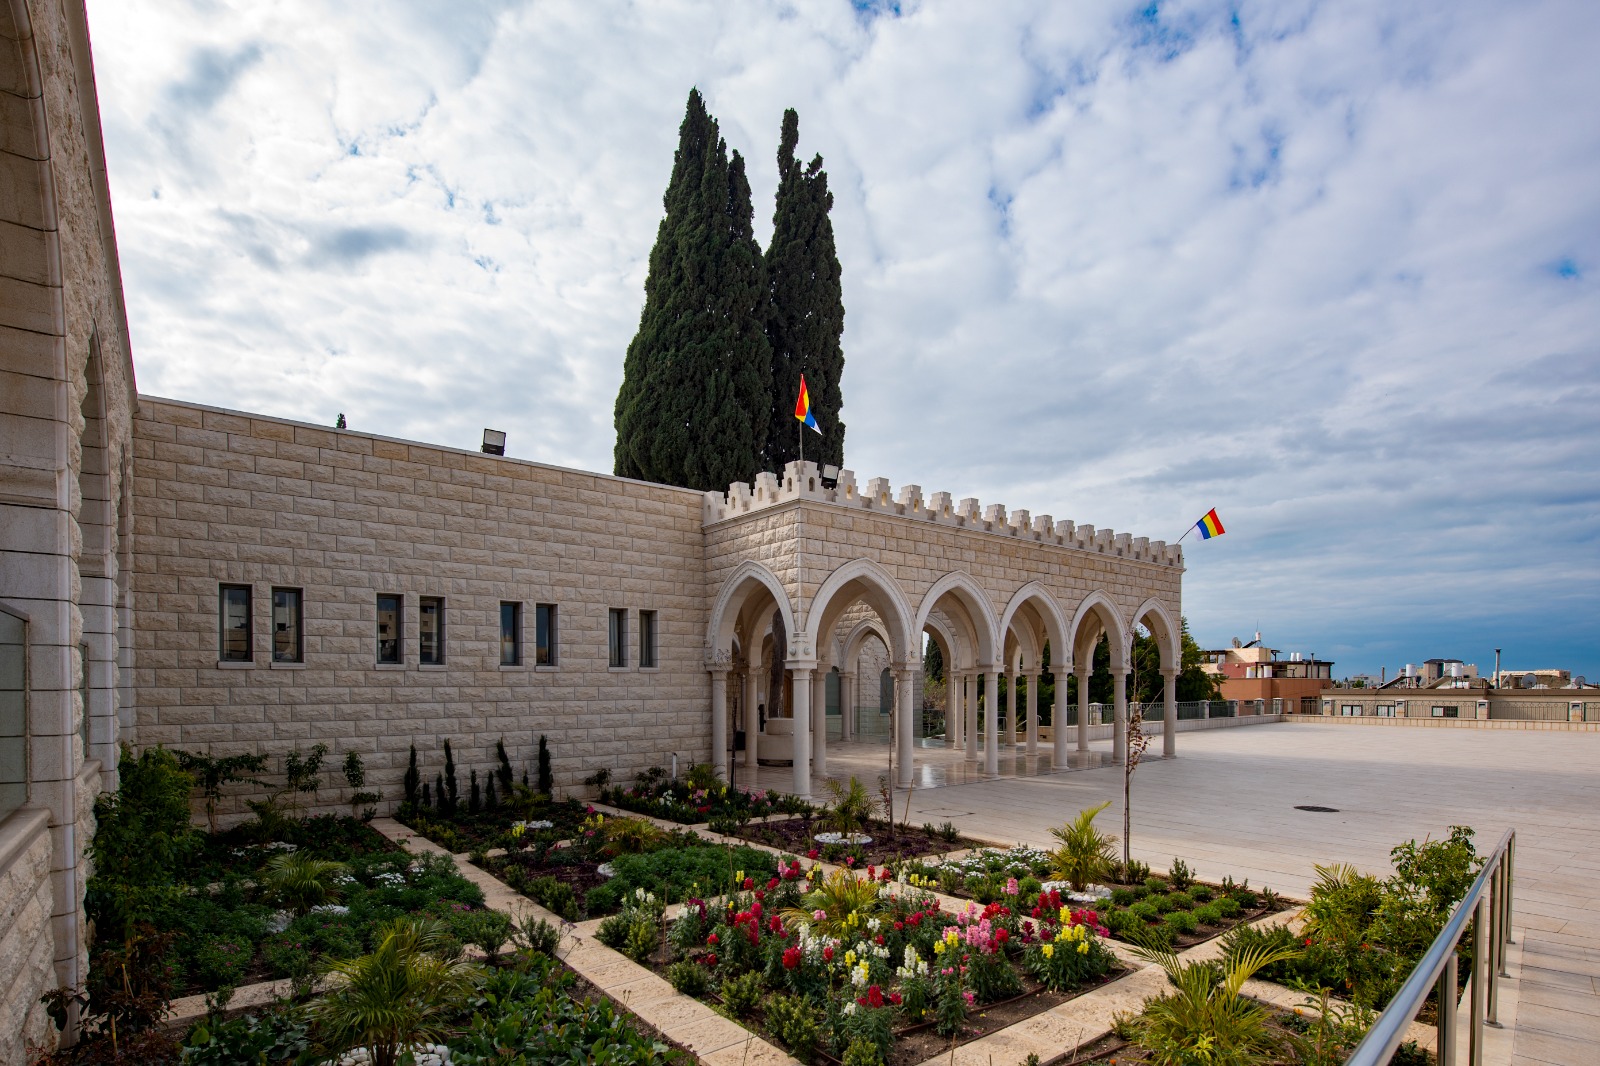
(969, 997)
(1011, 886)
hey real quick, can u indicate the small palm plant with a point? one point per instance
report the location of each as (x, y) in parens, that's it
(1086, 855)
(1206, 1018)
(399, 996)
(299, 882)
(852, 808)
(839, 905)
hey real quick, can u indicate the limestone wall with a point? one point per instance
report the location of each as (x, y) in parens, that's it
(229, 497)
(26, 946)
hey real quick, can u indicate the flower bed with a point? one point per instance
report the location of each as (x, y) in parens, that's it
(610, 857)
(281, 907)
(496, 827)
(890, 843)
(858, 968)
(689, 804)
(1152, 911)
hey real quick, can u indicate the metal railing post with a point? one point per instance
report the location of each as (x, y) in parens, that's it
(1475, 1038)
(1511, 873)
(1496, 951)
(1446, 1046)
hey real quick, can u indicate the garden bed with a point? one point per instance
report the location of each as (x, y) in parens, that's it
(590, 877)
(255, 904)
(1175, 912)
(890, 844)
(696, 802)
(498, 827)
(818, 963)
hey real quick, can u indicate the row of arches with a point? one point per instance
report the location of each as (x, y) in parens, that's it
(786, 650)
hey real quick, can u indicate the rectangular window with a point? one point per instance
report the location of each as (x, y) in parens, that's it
(1385, 710)
(511, 634)
(233, 624)
(1350, 710)
(545, 638)
(13, 713)
(389, 628)
(647, 638)
(1447, 712)
(430, 631)
(619, 636)
(287, 644)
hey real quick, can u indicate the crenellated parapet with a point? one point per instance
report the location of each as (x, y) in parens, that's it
(803, 481)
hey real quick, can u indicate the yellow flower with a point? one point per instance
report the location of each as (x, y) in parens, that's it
(1066, 915)
(850, 958)
(1083, 947)
(739, 877)
(938, 947)
(1049, 951)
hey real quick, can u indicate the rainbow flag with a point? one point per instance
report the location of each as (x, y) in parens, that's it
(1210, 526)
(802, 408)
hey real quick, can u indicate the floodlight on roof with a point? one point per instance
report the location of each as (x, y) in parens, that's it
(494, 442)
(830, 477)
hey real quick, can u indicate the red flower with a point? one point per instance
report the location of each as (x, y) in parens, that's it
(1001, 936)
(878, 940)
(772, 884)
(810, 855)
(776, 924)
(711, 960)
(791, 957)
(894, 997)
(749, 883)
(827, 953)
(899, 926)
(875, 996)
(872, 871)
(712, 940)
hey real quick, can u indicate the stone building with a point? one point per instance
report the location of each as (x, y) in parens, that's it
(222, 581)
(66, 408)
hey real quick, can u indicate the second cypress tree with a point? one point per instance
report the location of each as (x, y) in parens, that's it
(696, 389)
(805, 319)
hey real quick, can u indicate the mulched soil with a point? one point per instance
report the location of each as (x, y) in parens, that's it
(794, 835)
(582, 876)
(484, 829)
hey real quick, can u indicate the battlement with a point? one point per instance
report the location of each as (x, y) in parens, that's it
(803, 481)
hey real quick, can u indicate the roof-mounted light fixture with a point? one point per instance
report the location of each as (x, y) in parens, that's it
(494, 442)
(830, 477)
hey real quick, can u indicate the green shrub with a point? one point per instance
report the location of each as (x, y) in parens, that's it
(220, 961)
(1180, 874)
(796, 1023)
(690, 978)
(1122, 897)
(1155, 885)
(1245, 897)
(742, 994)
(1163, 903)
(1181, 922)
(554, 896)
(1209, 914)
(1147, 910)
(1180, 900)
(1086, 855)
(1228, 907)
(249, 1040)
(1201, 893)
(862, 1052)
(486, 930)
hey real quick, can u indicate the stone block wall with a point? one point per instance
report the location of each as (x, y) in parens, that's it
(224, 497)
(26, 945)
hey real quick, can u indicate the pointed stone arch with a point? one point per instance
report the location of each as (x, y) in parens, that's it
(1166, 630)
(960, 586)
(877, 588)
(735, 595)
(1099, 608)
(1034, 594)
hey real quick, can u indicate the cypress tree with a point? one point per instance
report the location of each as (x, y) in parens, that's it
(696, 386)
(806, 316)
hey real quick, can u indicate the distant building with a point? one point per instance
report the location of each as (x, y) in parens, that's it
(1461, 697)
(1255, 672)
(1534, 679)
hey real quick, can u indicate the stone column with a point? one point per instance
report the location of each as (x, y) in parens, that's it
(969, 714)
(904, 677)
(1083, 708)
(1033, 714)
(847, 705)
(1058, 716)
(819, 724)
(952, 709)
(1011, 710)
(991, 725)
(1169, 712)
(752, 718)
(802, 728)
(1119, 739)
(719, 720)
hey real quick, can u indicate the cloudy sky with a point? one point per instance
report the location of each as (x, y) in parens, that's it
(1331, 268)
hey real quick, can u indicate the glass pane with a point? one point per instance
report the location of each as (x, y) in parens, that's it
(286, 643)
(430, 627)
(510, 653)
(545, 623)
(388, 629)
(235, 624)
(619, 637)
(647, 638)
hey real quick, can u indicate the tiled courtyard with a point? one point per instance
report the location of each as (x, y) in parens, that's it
(1227, 806)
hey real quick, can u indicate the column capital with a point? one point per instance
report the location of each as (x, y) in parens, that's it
(801, 665)
(1083, 671)
(719, 669)
(907, 669)
(1169, 671)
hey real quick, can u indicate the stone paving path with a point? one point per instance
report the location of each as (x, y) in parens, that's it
(1227, 805)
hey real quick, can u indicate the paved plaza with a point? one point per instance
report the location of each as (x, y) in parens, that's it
(1227, 806)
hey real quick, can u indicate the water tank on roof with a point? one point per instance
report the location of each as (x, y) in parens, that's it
(1453, 669)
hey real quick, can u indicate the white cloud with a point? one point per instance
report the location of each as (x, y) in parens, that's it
(1331, 268)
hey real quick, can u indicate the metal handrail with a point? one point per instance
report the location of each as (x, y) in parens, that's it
(1488, 901)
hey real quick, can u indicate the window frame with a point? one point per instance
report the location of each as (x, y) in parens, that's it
(223, 630)
(20, 790)
(399, 638)
(439, 657)
(617, 638)
(649, 640)
(516, 644)
(546, 634)
(299, 655)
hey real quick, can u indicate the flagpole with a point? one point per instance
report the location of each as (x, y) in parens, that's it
(1188, 531)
